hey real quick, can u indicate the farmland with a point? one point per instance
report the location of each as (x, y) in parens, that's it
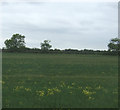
(32, 80)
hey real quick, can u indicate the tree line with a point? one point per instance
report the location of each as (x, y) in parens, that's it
(17, 44)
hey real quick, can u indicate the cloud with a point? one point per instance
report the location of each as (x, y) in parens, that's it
(74, 25)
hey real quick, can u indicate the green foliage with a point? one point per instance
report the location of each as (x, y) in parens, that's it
(17, 44)
(114, 44)
(45, 46)
(16, 41)
(59, 81)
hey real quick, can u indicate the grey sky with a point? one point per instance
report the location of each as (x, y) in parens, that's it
(67, 25)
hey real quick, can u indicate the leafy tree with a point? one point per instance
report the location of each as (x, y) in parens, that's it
(114, 44)
(16, 41)
(45, 46)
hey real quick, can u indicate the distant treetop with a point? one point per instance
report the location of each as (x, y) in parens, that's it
(114, 44)
(46, 45)
(16, 41)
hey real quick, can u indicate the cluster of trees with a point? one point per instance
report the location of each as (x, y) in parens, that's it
(17, 44)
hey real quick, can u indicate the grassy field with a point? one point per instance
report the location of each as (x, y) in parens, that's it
(59, 81)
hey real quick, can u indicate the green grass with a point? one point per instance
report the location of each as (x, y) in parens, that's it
(59, 81)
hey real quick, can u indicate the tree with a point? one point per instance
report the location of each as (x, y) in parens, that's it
(16, 41)
(114, 44)
(45, 46)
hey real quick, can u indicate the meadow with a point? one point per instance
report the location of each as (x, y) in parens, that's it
(32, 80)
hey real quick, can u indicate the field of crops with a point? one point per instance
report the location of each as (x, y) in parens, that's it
(59, 81)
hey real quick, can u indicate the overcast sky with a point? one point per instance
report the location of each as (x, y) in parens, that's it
(67, 25)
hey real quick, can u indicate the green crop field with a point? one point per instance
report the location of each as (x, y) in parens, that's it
(32, 80)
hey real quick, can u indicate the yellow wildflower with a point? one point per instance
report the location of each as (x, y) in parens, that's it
(40, 93)
(91, 98)
(27, 89)
(56, 89)
(73, 84)
(69, 87)
(88, 87)
(86, 92)
(50, 92)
